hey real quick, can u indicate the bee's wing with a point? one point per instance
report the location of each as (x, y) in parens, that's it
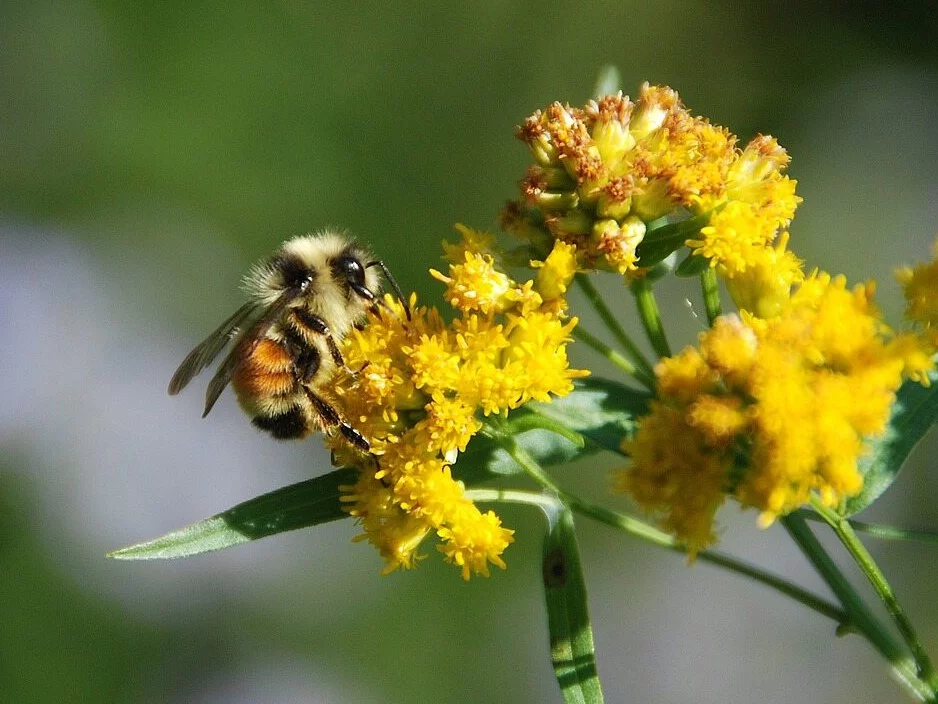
(208, 349)
(248, 340)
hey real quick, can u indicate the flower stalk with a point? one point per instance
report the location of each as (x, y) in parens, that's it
(643, 531)
(864, 560)
(643, 369)
(710, 289)
(650, 316)
(611, 355)
(861, 618)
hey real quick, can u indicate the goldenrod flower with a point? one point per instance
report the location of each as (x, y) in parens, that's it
(470, 240)
(423, 386)
(475, 284)
(768, 410)
(448, 426)
(556, 272)
(920, 287)
(764, 286)
(674, 472)
(606, 170)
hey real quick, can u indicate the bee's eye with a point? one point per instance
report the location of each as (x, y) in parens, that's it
(295, 273)
(351, 270)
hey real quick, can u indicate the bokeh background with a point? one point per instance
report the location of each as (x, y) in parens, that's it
(149, 152)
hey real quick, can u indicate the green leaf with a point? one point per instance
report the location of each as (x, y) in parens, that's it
(693, 265)
(661, 269)
(913, 413)
(659, 242)
(297, 506)
(484, 459)
(572, 650)
(602, 410)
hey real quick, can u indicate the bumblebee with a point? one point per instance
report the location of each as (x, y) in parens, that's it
(303, 300)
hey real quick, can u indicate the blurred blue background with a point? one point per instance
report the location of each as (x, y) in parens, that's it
(149, 152)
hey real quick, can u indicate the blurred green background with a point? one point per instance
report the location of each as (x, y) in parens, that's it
(149, 152)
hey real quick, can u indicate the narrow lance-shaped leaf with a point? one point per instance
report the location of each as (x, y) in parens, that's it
(661, 241)
(913, 413)
(296, 506)
(692, 265)
(572, 651)
(603, 411)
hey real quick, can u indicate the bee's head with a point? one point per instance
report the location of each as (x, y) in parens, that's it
(329, 274)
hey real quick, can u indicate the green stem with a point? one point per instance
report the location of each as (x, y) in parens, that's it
(860, 616)
(650, 316)
(711, 294)
(881, 586)
(545, 502)
(606, 351)
(878, 530)
(536, 421)
(649, 533)
(609, 320)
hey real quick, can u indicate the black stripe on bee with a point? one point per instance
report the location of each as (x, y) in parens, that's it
(284, 426)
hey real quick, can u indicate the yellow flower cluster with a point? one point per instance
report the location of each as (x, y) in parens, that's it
(920, 287)
(423, 385)
(603, 172)
(769, 410)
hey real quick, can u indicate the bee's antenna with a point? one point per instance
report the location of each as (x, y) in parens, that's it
(397, 289)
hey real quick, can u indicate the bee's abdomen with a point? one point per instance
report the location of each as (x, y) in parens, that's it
(292, 425)
(265, 371)
(267, 386)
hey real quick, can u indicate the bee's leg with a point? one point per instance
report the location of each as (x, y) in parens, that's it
(368, 295)
(355, 437)
(319, 326)
(307, 364)
(334, 351)
(331, 419)
(306, 359)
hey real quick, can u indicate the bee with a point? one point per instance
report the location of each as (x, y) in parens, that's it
(303, 300)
